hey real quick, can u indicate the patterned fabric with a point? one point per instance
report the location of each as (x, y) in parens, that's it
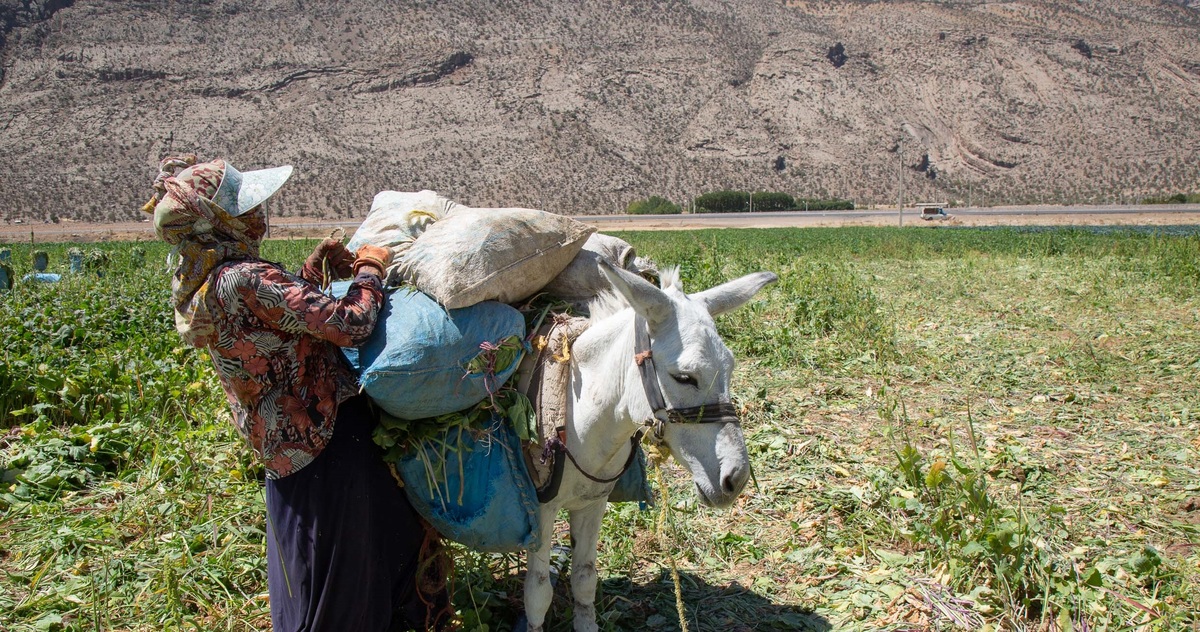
(274, 339)
(204, 236)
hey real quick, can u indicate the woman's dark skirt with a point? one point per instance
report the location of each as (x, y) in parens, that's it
(343, 541)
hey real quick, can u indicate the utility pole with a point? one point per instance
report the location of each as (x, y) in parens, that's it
(900, 178)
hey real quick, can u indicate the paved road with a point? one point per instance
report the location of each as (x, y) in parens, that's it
(802, 218)
(1178, 214)
(1145, 214)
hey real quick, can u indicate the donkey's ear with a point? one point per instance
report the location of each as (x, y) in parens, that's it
(647, 300)
(733, 294)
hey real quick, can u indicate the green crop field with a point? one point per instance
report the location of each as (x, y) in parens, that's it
(950, 429)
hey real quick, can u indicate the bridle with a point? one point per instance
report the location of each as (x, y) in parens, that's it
(661, 413)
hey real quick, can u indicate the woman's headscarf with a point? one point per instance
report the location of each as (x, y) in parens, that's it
(204, 236)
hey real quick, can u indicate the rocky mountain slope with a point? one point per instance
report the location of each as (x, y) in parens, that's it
(582, 107)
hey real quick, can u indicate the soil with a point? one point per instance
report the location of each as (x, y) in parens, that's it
(566, 106)
(299, 227)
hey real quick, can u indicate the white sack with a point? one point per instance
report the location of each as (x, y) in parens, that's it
(397, 218)
(582, 279)
(482, 254)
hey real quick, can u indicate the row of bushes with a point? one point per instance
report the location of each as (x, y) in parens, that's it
(738, 202)
(1178, 198)
(653, 205)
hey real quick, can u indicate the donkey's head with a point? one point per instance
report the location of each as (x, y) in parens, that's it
(692, 368)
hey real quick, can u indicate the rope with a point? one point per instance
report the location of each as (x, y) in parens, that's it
(658, 459)
(558, 445)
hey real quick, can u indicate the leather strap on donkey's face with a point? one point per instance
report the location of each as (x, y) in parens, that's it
(643, 356)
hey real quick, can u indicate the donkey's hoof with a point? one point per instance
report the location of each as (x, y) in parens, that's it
(522, 625)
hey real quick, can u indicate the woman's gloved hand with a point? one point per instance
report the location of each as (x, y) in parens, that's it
(372, 259)
(331, 259)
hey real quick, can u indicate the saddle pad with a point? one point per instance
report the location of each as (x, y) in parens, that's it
(543, 378)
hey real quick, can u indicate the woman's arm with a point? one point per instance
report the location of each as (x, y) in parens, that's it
(291, 304)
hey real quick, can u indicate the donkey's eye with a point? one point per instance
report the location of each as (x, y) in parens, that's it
(690, 380)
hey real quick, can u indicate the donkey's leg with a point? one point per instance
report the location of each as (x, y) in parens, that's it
(538, 590)
(585, 531)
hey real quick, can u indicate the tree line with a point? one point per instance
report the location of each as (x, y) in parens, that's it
(730, 201)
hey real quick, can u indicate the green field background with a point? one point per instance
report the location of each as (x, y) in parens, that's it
(950, 429)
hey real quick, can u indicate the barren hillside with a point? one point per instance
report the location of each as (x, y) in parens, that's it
(582, 107)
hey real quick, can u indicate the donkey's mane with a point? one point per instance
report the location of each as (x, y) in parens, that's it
(610, 302)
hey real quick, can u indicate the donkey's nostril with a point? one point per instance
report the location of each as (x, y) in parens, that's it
(733, 480)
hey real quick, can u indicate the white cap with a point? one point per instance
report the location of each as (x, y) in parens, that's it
(240, 192)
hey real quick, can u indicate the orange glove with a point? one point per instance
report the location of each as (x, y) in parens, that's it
(372, 259)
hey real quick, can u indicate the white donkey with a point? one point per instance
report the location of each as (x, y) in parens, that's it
(677, 382)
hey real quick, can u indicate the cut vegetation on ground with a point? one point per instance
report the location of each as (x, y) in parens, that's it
(950, 429)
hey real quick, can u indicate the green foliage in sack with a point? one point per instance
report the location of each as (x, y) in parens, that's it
(435, 439)
(397, 436)
(496, 358)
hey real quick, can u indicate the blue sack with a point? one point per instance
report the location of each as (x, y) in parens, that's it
(416, 364)
(472, 486)
(633, 487)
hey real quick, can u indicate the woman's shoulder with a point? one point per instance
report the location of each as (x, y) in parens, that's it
(246, 272)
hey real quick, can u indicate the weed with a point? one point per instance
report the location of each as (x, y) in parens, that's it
(1038, 472)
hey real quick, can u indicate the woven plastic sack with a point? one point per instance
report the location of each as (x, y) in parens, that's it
(582, 280)
(472, 486)
(418, 361)
(503, 254)
(397, 218)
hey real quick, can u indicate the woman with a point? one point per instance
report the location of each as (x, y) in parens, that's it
(342, 540)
